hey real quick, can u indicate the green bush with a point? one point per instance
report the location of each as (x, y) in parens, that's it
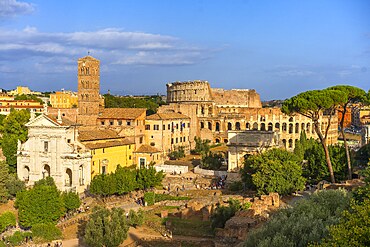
(7, 219)
(136, 218)
(224, 213)
(306, 222)
(236, 186)
(177, 154)
(71, 200)
(149, 198)
(211, 161)
(17, 238)
(46, 232)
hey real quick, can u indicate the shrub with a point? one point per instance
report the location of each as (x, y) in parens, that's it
(106, 227)
(236, 186)
(149, 198)
(177, 154)
(224, 213)
(7, 219)
(46, 232)
(136, 218)
(307, 222)
(167, 197)
(211, 161)
(71, 200)
(17, 238)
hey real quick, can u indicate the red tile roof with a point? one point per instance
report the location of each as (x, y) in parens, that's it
(121, 113)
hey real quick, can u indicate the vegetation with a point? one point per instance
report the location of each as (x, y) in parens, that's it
(46, 232)
(312, 156)
(124, 180)
(306, 222)
(151, 103)
(44, 204)
(17, 238)
(224, 213)
(312, 104)
(177, 154)
(353, 95)
(106, 227)
(136, 219)
(28, 97)
(211, 161)
(276, 170)
(7, 219)
(201, 146)
(150, 198)
(13, 129)
(10, 185)
(191, 227)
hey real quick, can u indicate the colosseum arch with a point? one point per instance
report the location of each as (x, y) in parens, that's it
(277, 127)
(290, 143)
(297, 128)
(291, 119)
(210, 125)
(308, 128)
(217, 126)
(269, 127)
(247, 126)
(263, 126)
(290, 128)
(237, 126)
(302, 126)
(284, 143)
(255, 126)
(229, 126)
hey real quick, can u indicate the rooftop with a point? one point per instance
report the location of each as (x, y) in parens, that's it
(122, 113)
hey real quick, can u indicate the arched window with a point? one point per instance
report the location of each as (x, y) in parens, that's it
(308, 128)
(255, 126)
(284, 143)
(269, 128)
(46, 171)
(291, 119)
(302, 126)
(290, 128)
(247, 126)
(217, 126)
(237, 126)
(284, 127)
(210, 125)
(229, 126)
(225, 141)
(297, 128)
(201, 125)
(277, 126)
(263, 126)
(26, 173)
(217, 140)
(290, 143)
(68, 178)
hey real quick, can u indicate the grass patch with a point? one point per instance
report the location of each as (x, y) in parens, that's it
(167, 197)
(193, 227)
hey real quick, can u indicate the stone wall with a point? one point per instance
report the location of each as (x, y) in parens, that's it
(237, 97)
(172, 169)
(204, 172)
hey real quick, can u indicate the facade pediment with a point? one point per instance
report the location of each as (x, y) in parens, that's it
(42, 121)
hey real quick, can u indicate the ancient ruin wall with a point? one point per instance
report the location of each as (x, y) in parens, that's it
(236, 97)
(191, 91)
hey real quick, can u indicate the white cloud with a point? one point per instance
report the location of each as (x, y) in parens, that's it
(11, 8)
(113, 46)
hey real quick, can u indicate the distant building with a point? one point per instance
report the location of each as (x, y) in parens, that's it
(361, 116)
(22, 90)
(147, 154)
(31, 105)
(64, 99)
(347, 117)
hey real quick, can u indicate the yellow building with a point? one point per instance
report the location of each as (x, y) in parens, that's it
(31, 105)
(108, 150)
(22, 90)
(147, 154)
(64, 99)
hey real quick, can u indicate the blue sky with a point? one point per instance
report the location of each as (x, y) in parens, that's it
(279, 48)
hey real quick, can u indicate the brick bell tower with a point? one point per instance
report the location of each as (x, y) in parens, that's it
(88, 90)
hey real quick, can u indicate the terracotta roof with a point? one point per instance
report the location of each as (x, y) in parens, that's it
(96, 134)
(65, 121)
(108, 144)
(170, 115)
(147, 149)
(122, 113)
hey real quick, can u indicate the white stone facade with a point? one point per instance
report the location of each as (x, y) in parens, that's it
(52, 150)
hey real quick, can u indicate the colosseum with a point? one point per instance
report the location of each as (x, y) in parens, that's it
(214, 112)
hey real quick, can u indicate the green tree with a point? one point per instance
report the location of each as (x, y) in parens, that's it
(4, 175)
(125, 180)
(353, 229)
(212, 161)
(149, 177)
(71, 200)
(13, 129)
(275, 170)
(224, 213)
(7, 219)
(46, 232)
(136, 218)
(29, 97)
(306, 222)
(106, 228)
(14, 185)
(41, 204)
(314, 104)
(178, 153)
(202, 146)
(354, 95)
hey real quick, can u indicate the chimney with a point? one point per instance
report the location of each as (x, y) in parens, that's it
(59, 118)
